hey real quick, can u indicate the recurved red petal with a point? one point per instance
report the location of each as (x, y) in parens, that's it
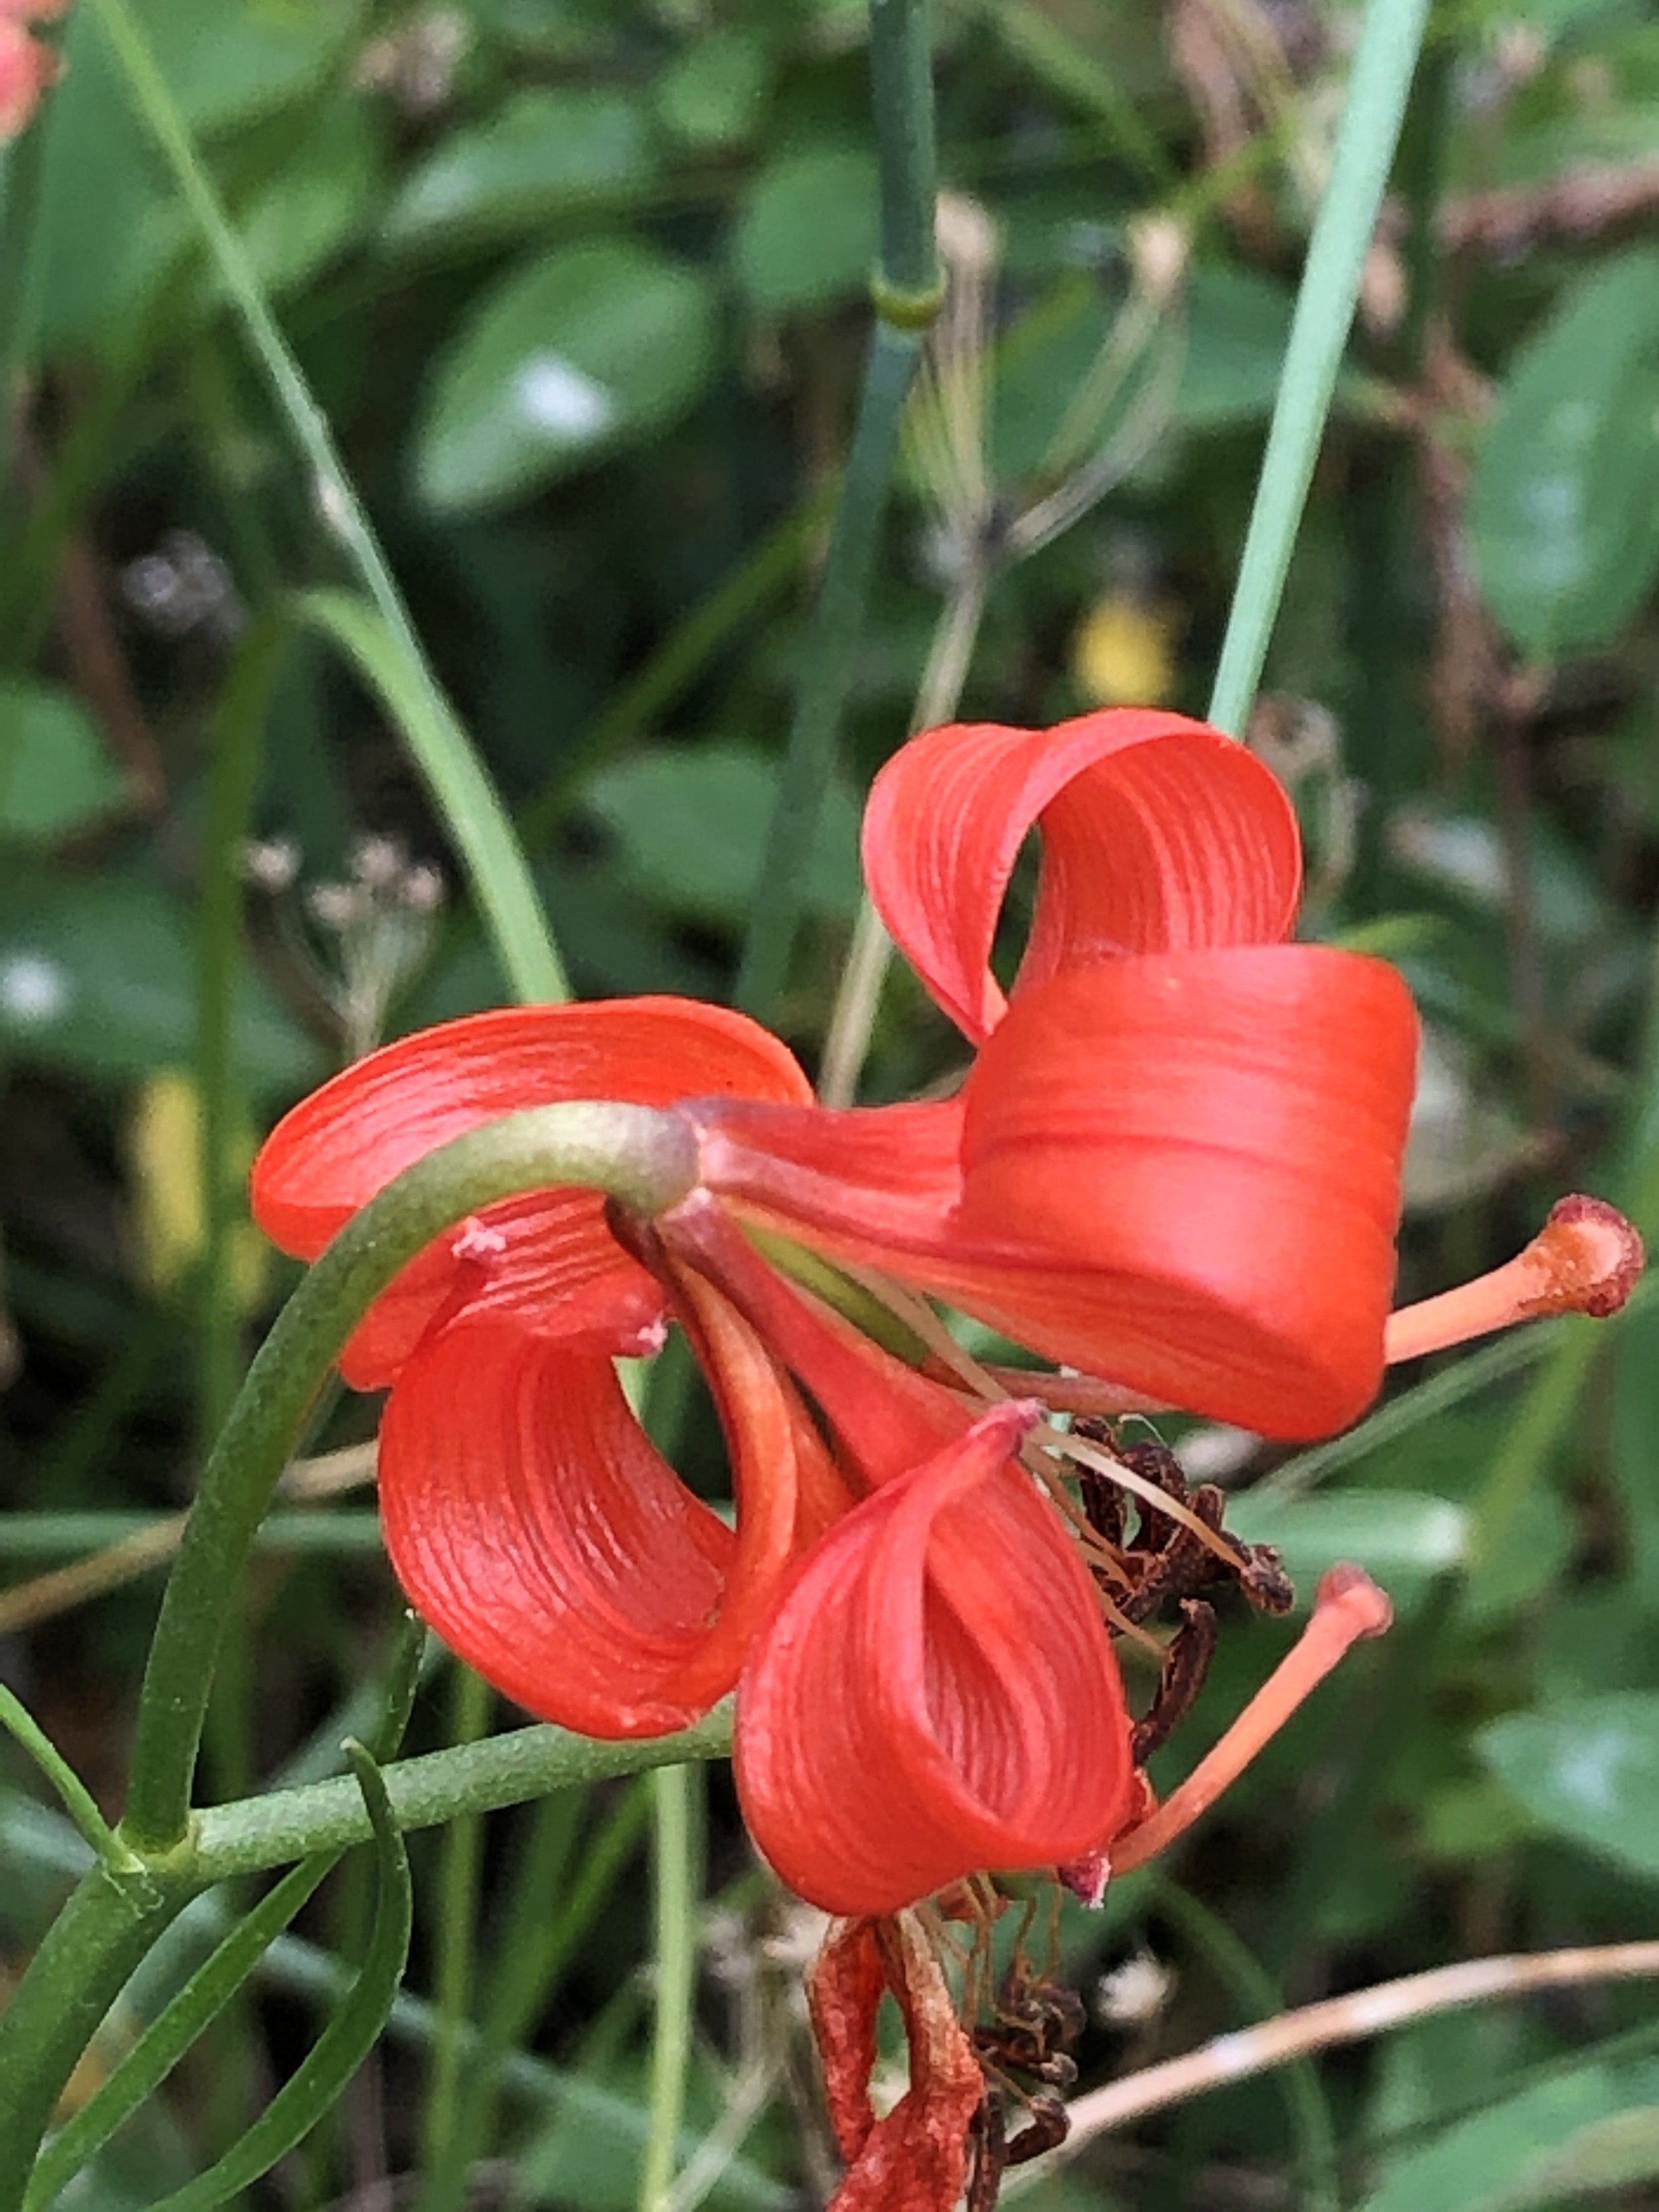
(544, 1263)
(1183, 1172)
(935, 1693)
(1158, 835)
(535, 1526)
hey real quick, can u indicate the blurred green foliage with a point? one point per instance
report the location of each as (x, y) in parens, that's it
(580, 287)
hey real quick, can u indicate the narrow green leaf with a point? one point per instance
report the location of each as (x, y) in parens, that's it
(1372, 115)
(350, 2034)
(463, 794)
(188, 2015)
(397, 664)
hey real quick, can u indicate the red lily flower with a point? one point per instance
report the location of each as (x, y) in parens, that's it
(1175, 1162)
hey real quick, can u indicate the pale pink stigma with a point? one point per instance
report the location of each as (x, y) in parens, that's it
(1585, 1259)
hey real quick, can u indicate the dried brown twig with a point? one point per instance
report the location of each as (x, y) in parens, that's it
(1350, 2018)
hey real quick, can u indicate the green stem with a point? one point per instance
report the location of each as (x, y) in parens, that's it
(644, 1156)
(461, 1868)
(1256, 1994)
(77, 1800)
(83, 1961)
(907, 293)
(495, 863)
(675, 1858)
(1371, 119)
(831, 655)
(233, 774)
(503, 1770)
(902, 107)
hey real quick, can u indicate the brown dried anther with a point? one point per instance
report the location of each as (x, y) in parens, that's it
(1033, 2025)
(1166, 1560)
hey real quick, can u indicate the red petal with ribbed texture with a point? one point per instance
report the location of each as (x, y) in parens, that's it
(1158, 835)
(544, 1263)
(1194, 1162)
(535, 1526)
(935, 1693)
(1180, 1172)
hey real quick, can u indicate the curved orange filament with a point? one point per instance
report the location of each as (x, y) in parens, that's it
(1347, 1607)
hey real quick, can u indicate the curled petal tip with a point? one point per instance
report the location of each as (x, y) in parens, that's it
(1347, 1593)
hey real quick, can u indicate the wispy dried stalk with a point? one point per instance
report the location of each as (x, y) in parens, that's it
(1350, 2019)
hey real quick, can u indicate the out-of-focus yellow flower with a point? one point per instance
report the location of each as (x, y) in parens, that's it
(1123, 653)
(164, 1141)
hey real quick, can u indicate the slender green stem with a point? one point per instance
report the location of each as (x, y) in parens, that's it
(460, 1871)
(233, 774)
(1257, 1995)
(831, 656)
(495, 863)
(907, 294)
(84, 1959)
(77, 1800)
(759, 577)
(645, 1156)
(1371, 118)
(675, 1859)
(503, 1770)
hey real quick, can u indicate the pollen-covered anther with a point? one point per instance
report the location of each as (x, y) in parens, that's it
(1586, 1259)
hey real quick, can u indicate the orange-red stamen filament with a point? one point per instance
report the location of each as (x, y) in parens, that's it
(1348, 1606)
(1585, 1259)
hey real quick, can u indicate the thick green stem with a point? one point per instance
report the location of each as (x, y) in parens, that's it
(1371, 118)
(647, 1157)
(907, 293)
(79, 1971)
(468, 1777)
(909, 282)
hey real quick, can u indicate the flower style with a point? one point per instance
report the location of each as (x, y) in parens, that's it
(1174, 1164)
